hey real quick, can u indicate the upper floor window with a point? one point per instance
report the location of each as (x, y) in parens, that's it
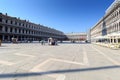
(117, 13)
(11, 29)
(19, 30)
(32, 27)
(19, 24)
(0, 19)
(11, 22)
(0, 28)
(23, 24)
(29, 26)
(6, 29)
(15, 30)
(15, 23)
(6, 21)
(26, 25)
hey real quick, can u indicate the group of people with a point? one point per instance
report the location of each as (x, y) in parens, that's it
(42, 42)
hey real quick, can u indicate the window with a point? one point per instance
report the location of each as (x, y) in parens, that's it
(15, 30)
(26, 25)
(117, 13)
(0, 28)
(23, 24)
(11, 22)
(6, 21)
(19, 30)
(11, 29)
(6, 29)
(0, 19)
(23, 31)
(19, 24)
(15, 23)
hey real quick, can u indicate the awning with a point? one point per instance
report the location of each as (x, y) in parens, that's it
(102, 37)
(115, 34)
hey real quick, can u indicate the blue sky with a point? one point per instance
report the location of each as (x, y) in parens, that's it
(65, 15)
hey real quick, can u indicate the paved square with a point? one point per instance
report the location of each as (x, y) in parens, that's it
(32, 61)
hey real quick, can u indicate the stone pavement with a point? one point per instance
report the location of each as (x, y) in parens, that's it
(32, 61)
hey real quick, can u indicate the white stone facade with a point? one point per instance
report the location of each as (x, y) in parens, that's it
(109, 23)
(77, 36)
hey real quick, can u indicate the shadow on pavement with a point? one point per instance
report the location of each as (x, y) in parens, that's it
(13, 75)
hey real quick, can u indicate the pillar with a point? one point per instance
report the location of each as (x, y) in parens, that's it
(20, 38)
(17, 30)
(8, 29)
(3, 37)
(113, 40)
(116, 39)
(3, 28)
(110, 40)
(8, 38)
(21, 31)
(13, 30)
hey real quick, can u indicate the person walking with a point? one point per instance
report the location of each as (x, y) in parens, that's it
(42, 42)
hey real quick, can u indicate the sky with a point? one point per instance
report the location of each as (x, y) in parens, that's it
(64, 15)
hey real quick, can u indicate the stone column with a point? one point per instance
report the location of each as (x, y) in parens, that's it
(8, 38)
(13, 30)
(8, 29)
(21, 31)
(110, 40)
(3, 28)
(25, 32)
(116, 39)
(3, 37)
(113, 40)
(17, 30)
(21, 38)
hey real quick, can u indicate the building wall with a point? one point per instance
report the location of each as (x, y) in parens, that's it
(96, 30)
(77, 36)
(25, 30)
(109, 23)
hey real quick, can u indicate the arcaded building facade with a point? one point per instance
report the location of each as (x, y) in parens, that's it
(109, 25)
(76, 36)
(12, 27)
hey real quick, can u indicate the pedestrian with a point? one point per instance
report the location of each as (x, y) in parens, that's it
(42, 42)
